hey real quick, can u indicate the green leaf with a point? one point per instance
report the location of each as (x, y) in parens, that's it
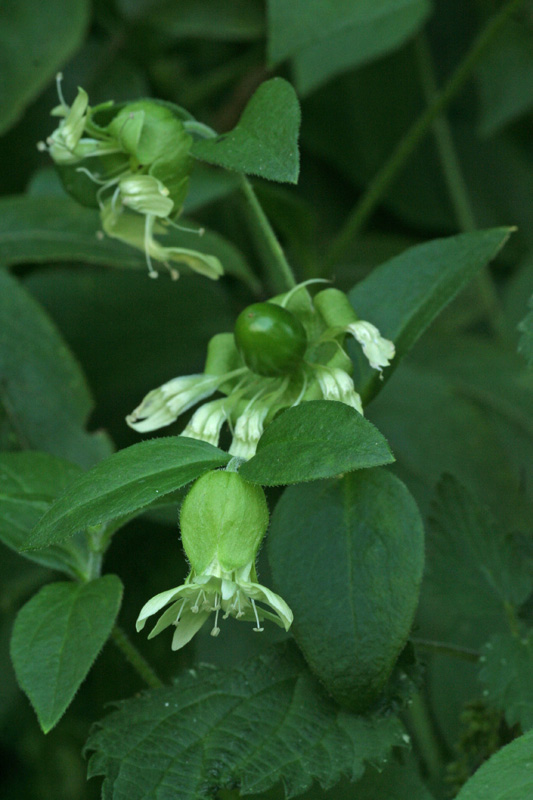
(403, 296)
(325, 39)
(318, 439)
(43, 390)
(506, 77)
(472, 567)
(231, 21)
(506, 776)
(347, 556)
(525, 345)
(398, 781)
(265, 140)
(29, 483)
(506, 675)
(253, 725)
(56, 638)
(126, 482)
(29, 59)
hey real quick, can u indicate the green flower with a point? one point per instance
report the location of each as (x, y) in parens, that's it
(223, 521)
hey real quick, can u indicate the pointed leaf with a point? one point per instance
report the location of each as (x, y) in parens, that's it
(265, 140)
(508, 775)
(347, 556)
(318, 439)
(56, 638)
(253, 725)
(126, 482)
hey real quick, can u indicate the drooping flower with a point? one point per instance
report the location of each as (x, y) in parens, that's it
(223, 521)
(378, 350)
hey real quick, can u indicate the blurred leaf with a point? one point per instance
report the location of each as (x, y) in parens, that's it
(473, 567)
(506, 675)
(266, 720)
(361, 540)
(232, 20)
(525, 346)
(327, 38)
(35, 41)
(265, 140)
(29, 483)
(126, 482)
(317, 439)
(42, 390)
(403, 296)
(506, 77)
(208, 185)
(395, 782)
(56, 638)
(507, 775)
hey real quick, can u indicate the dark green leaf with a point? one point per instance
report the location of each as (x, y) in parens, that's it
(361, 541)
(506, 675)
(508, 775)
(126, 482)
(318, 439)
(325, 39)
(472, 567)
(35, 40)
(395, 782)
(404, 295)
(42, 390)
(525, 345)
(29, 483)
(232, 20)
(265, 140)
(56, 638)
(252, 726)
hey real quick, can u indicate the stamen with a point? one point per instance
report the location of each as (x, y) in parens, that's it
(216, 630)
(147, 225)
(179, 612)
(199, 231)
(259, 628)
(59, 78)
(300, 286)
(196, 607)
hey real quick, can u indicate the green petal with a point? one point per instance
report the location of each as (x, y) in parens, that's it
(188, 625)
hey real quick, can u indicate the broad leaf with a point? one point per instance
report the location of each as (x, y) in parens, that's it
(29, 59)
(506, 676)
(525, 345)
(505, 776)
(265, 721)
(404, 295)
(361, 541)
(126, 482)
(325, 39)
(43, 392)
(265, 140)
(318, 439)
(56, 638)
(473, 568)
(29, 483)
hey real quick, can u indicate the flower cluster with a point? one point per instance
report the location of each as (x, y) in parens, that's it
(251, 397)
(223, 521)
(132, 161)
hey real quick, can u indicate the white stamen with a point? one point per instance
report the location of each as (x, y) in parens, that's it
(259, 628)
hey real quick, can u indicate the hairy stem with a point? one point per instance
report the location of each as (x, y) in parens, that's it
(445, 648)
(276, 264)
(358, 218)
(137, 661)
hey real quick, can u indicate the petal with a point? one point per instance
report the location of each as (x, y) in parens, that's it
(264, 595)
(156, 603)
(169, 617)
(188, 625)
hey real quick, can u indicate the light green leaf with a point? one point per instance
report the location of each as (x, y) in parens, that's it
(525, 345)
(473, 568)
(325, 39)
(506, 675)
(404, 295)
(126, 482)
(361, 541)
(29, 59)
(318, 439)
(29, 483)
(265, 140)
(266, 720)
(43, 392)
(56, 638)
(508, 775)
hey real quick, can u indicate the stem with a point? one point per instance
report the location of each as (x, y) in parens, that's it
(419, 724)
(444, 648)
(137, 661)
(455, 181)
(405, 147)
(277, 266)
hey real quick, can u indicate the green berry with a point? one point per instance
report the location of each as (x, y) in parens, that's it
(270, 339)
